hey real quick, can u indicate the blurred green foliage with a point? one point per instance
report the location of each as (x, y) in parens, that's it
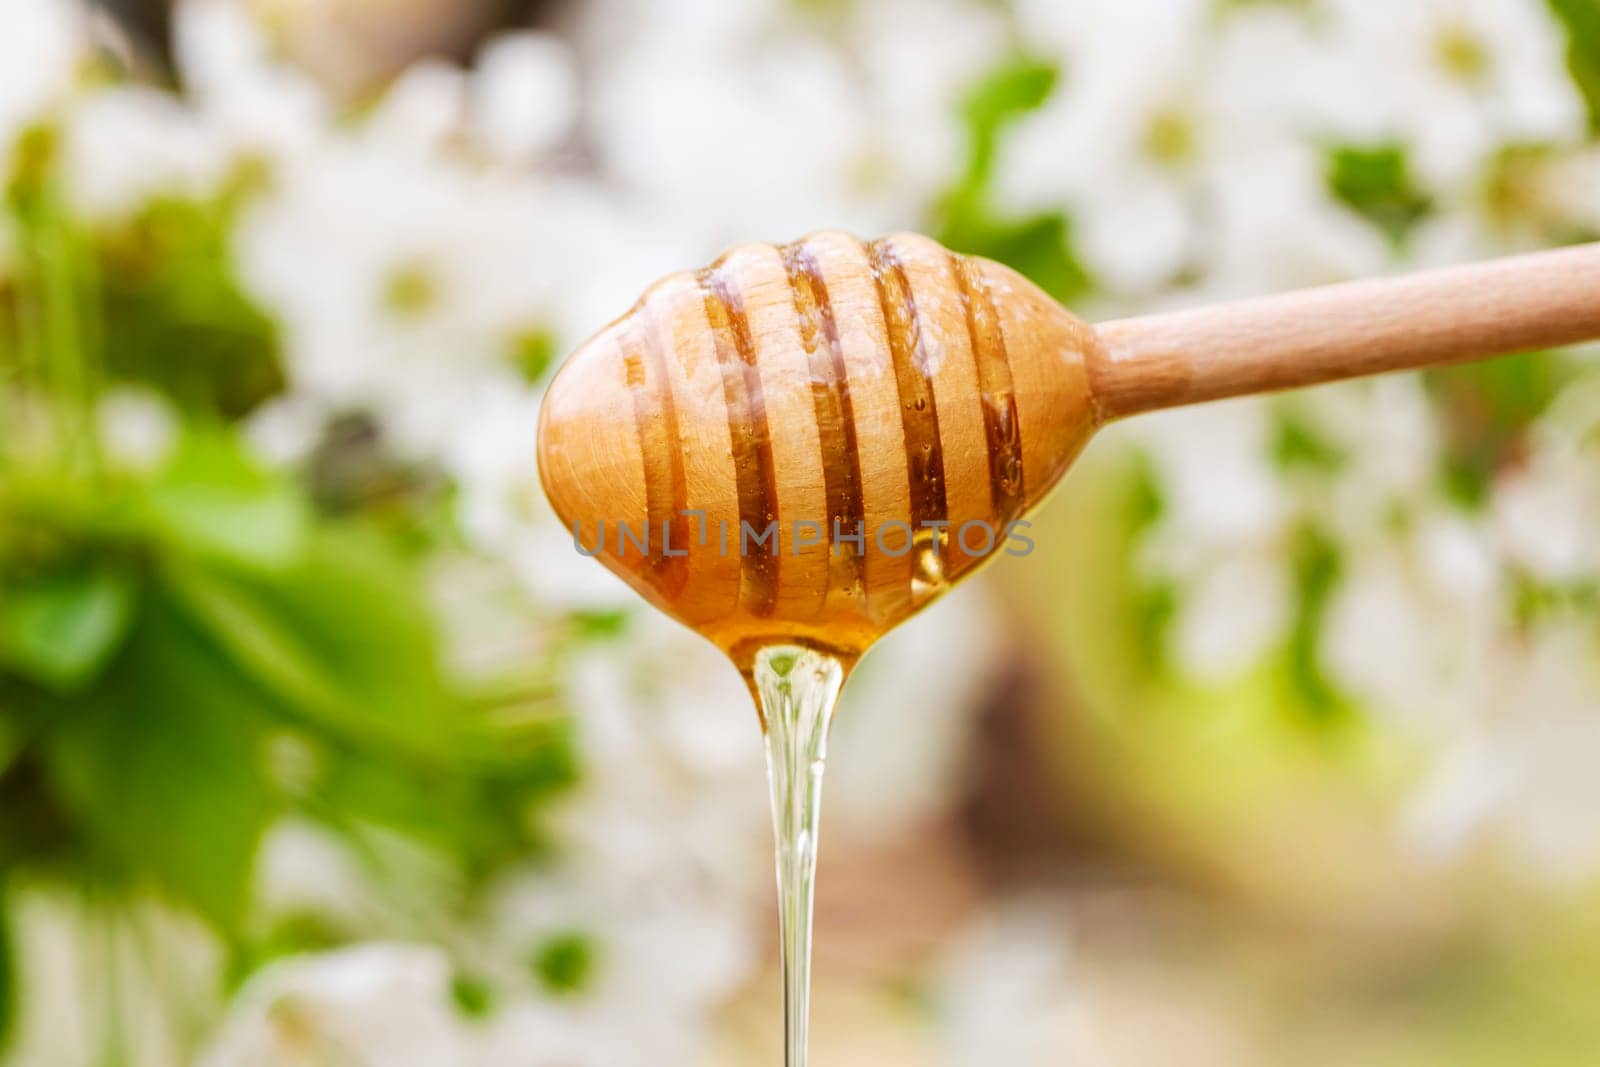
(1487, 409)
(1375, 182)
(194, 644)
(166, 287)
(472, 995)
(564, 964)
(967, 218)
(1581, 20)
(1298, 446)
(1154, 600)
(532, 353)
(1316, 562)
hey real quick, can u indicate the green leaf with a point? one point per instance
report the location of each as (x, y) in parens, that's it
(215, 501)
(1154, 610)
(1317, 568)
(1227, 7)
(1297, 445)
(1153, 602)
(59, 630)
(598, 624)
(1375, 182)
(826, 13)
(1486, 410)
(1011, 91)
(445, 809)
(1147, 498)
(479, 812)
(183, 325)
(565, 964)
(294, 934)
(1581, 21)
(163, 767)
(472, 995)
(1039, 246)
(344, 644)
(343, 637)
(532, 352)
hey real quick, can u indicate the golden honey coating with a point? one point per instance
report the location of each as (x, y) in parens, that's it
(809, 442)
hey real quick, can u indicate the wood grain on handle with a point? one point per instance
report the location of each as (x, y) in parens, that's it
(1345, 331)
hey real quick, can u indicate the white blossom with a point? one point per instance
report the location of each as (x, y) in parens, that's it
(72, 951)
(253, 102)
(900, 733)
(1414, 626)
(755, 135)
(384, 1003)
(127, 146)
(285, 430)
(918, 60)
(1133, 90)
(1523, 777)
(504, 513)
(1547, 512)
(524, 96)
(1455, 79)
(137, 427)
(671, 744)
(305, 869)
(42, 43)
(1009, 991)
(1223, 533)
(657, 964)
(423, 276)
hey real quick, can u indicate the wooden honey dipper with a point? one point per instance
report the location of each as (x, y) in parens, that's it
(924, 401)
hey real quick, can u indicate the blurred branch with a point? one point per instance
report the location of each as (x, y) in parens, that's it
(148, 23)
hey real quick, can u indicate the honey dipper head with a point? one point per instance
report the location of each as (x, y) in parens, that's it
(811, 441)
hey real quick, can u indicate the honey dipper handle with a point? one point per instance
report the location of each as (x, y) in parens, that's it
(1345, 331)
